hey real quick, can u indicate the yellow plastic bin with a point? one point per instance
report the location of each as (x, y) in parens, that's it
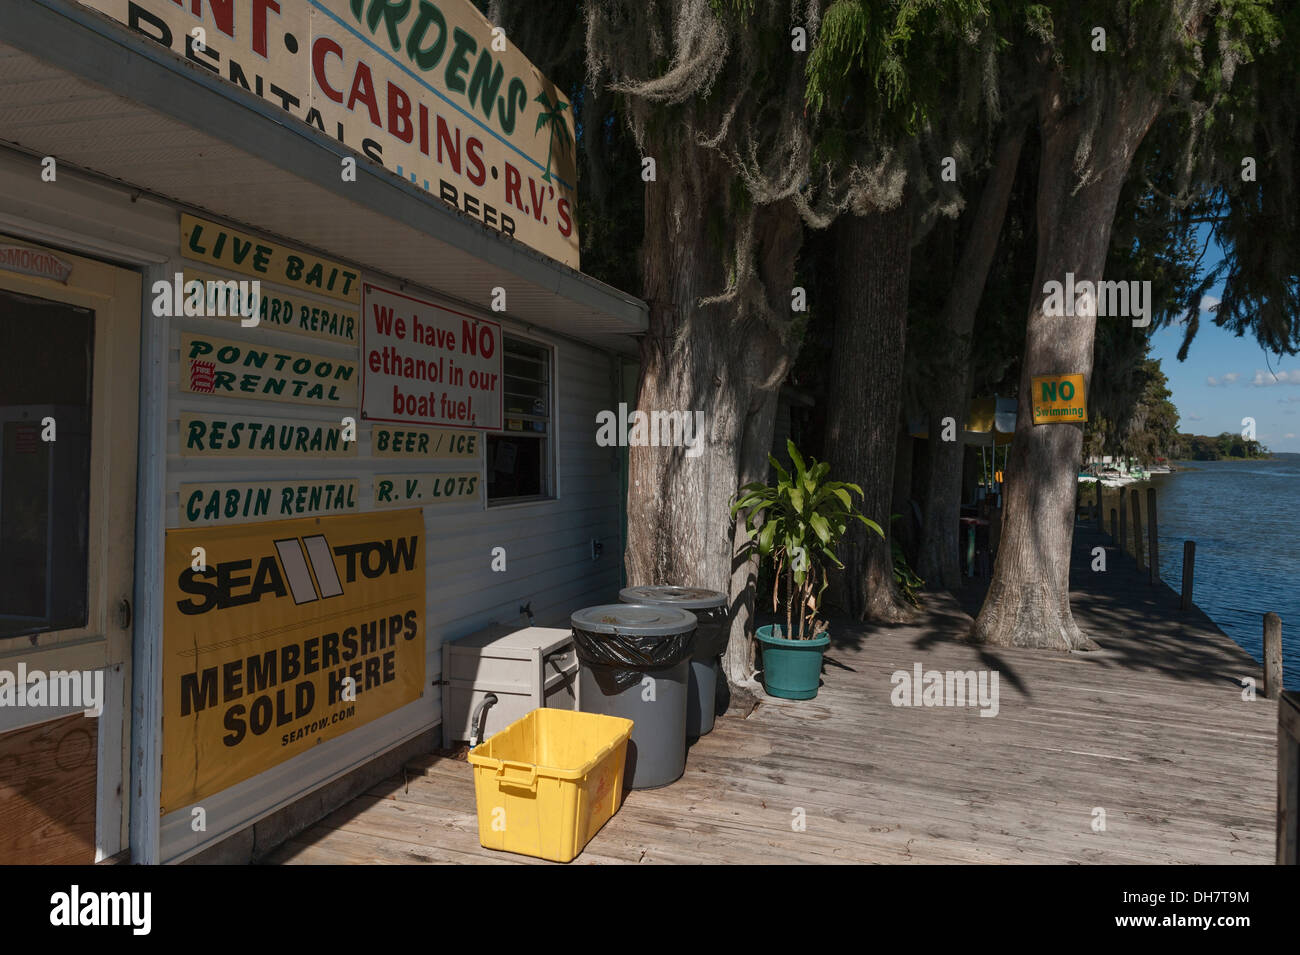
(546, 783)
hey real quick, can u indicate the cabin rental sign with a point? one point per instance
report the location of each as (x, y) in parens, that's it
(426, 88)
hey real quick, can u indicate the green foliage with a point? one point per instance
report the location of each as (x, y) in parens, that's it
(1200, 447)
(609, 211)
(888, 52)
(797, 524)
(909, 583)
(1130, 414)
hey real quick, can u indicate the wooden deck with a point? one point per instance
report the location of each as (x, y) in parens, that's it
(1152, 730)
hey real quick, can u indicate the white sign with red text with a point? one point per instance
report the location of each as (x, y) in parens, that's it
(429, 90)
(425, 364)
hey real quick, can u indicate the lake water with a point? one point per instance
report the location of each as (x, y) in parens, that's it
(1245, 519)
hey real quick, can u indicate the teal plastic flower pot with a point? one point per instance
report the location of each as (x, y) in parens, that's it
(792, 669)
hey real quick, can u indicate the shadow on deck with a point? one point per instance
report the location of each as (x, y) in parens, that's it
(1150, 734)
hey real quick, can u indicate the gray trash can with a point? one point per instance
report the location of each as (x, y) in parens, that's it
(635, 663)
(710, 608)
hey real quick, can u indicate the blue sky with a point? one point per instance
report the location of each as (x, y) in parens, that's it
(1226, 379)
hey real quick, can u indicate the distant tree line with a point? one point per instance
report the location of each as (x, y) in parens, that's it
(1203, 447)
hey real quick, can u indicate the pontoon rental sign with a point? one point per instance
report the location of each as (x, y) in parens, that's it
(427, 89)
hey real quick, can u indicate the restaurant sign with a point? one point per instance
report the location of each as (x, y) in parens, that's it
(281, 636)
(430, 90)
(245, 436)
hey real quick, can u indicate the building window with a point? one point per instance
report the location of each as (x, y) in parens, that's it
(519, 457)
(46, 358)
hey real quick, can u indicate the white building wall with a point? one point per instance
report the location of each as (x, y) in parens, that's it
(548, 543)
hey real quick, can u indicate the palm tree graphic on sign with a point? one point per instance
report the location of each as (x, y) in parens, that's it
(552, 116)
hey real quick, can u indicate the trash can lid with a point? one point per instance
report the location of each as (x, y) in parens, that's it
(634, 620)
(688, 598)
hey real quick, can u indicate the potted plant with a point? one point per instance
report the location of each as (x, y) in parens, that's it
(798, 523)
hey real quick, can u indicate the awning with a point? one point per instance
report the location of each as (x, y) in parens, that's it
(86, 90)
(989, 422)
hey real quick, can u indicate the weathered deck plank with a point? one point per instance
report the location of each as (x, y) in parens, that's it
(1153, 729)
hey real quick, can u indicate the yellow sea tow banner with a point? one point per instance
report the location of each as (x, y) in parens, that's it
(425, 88)
(281, 635)
(219, 366)
(1058, 399)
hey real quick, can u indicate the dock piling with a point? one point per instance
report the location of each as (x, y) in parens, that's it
(1137, 528)
(1189, 571)
(1114, 526)
(1123, 522)
(1288, 777)
(1272, 656)
(1153, 537)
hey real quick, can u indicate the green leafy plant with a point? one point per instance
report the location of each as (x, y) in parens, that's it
(906, 578)
(798, 523)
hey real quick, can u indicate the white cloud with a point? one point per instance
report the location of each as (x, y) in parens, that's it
(1290, 436)
(1193, 417)
(1212, 381)
(1230, 377)
(1209, 303)
(1264, 379)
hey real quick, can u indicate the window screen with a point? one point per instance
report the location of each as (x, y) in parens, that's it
(519, 457)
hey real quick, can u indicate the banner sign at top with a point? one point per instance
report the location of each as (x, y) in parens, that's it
(431, 90)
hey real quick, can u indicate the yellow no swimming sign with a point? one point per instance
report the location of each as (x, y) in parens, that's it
(1058, 399)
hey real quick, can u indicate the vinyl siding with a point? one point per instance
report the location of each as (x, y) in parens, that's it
(547, 543)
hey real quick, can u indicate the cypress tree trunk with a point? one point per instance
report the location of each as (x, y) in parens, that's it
(722, 359)
(1028, 604)
(938, 563)
(872, 261)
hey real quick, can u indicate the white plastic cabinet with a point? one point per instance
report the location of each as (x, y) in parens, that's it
(525, 668)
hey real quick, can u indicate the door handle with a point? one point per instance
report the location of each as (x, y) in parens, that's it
(124, 614)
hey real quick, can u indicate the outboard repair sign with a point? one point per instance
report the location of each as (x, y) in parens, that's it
(279, 636)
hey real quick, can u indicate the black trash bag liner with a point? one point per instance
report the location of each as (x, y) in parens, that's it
(627, 657)
(712, 634)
